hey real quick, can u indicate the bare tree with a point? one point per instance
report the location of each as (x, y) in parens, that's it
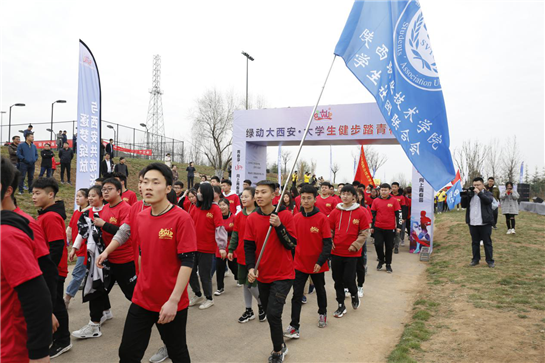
(286, 157)
(212, 127)
(511, 159)
(374, 159)
(302, 167)
(335, 169)
(401, 179)
(470, 160)
(494, 159)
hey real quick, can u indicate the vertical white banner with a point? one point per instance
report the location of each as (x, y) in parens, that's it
(279, 164)
(89, 117)
(422, 217)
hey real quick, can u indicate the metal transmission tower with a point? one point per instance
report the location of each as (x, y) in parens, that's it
(155, 122)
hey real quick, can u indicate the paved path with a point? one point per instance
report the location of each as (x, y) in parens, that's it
(365, 335)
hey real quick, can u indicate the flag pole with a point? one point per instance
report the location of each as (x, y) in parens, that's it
(294, 163)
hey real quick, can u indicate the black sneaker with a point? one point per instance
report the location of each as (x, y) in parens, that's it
(474, 263)
(58, 349)
(279, 357)
(262, 314)
(379, 266)
(389, 269)
(355, 302)
(340, 311)
(491, 265)
(247, 316)
(396, 250)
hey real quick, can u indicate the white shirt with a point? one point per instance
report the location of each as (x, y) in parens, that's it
(475, 215)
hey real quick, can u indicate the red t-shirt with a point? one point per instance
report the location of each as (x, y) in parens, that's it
(385, 212)
(234, 202)
(136, 208)
(347, 226)
(240, 228)
(400, 199)
(326, 205)
(82, 252)
(161, 239)
(39, 246)
(298, 202)
(54, 229)
(311, 232)
(117, 215)
(409, 202)
(129, 197)
(206, 222)
(18, 266)
(187, 204)
(229, 224)
(276, 200)
(277, 261)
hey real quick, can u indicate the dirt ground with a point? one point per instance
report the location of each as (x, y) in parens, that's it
(366, 335)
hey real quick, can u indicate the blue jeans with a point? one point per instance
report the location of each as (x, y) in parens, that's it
(25, 169)
(44, 170)
(77, 277)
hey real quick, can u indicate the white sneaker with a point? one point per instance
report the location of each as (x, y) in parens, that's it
(360, 291)
(482, 244)
(90, 330)
(513, 231)
(195, 300)
(160, 356)
(509, 231)
(239, 285)
(346, 293)
(106, 315)
(402, 243)
(206, 304)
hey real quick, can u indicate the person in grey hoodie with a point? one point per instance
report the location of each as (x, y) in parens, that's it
(509, 206)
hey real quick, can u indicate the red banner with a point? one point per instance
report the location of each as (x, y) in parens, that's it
(53, 143)
(362, 174)
(132, 151)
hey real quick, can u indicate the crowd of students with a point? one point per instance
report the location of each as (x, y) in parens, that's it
(203, 230)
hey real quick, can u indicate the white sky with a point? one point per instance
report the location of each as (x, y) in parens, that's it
(490, 56)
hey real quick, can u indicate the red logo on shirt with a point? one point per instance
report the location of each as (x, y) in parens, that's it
(356, 221)
(209, 215)
(166, 233)
(314, 230)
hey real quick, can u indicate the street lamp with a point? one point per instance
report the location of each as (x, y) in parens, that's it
(9, 127)
(248, 57)
(147, 135)
(115, 138)
(53, 104)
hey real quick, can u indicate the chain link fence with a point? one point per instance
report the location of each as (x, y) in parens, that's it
(123, 136)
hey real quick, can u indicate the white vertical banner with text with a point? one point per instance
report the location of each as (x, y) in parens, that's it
(422, 217)
(89, 117)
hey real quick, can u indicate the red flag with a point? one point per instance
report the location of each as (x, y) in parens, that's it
(457, 177)
(362, 174)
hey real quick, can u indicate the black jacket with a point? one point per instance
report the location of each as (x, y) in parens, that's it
(47, 155)
(104, 168)
(121, 168)
(109, 149)
(486, 205)
(66, 155)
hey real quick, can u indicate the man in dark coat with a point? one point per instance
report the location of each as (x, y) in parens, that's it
(66, 155)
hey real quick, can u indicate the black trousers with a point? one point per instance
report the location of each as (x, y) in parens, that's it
(273, 297)
(137, 332)
(510, 221)
(298, 289)
(478, 234)
(495, 212)
(203, 263)
(344, 274)
(360, 267)
(221, 266)
(62, 335)
(384, 244)
(125, 275)
(65, 166)
(190, 182)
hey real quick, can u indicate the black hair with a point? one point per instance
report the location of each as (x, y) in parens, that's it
(215, 178)
(196, 186)
(226, 181)
(477, 179)
(8, 175)
(291, 203)
(85, 192)
(207, 193)
(340, 184)
(385, 185)
(47, 144)
(163, 169)
(46, 183)
(400, 191)
(13, 138)
(192, 191)
(116, 183)
(267, 183)
(506, 184)
(395, 183)
(223, 200)
(491, 178)
(277, 185)
(248, 181)
(99, 180)
(408, 190)
(349, 188)
(180, 183)
(327, 184)
(14, 184)
(122, 177)
(111, 139)
(217, 189)
(121, 158)
(356, 183)
(171, 197)
(108, 154)
(204, 176)
(251, 190)
(97, 189)
(294, 192)
(142, 172)
(309, 189)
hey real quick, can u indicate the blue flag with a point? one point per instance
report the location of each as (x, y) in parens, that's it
(453, 195)
(387, 47)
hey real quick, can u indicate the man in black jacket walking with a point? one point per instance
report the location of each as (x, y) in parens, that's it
(47, 163)
(66, 155)
(480, 218)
